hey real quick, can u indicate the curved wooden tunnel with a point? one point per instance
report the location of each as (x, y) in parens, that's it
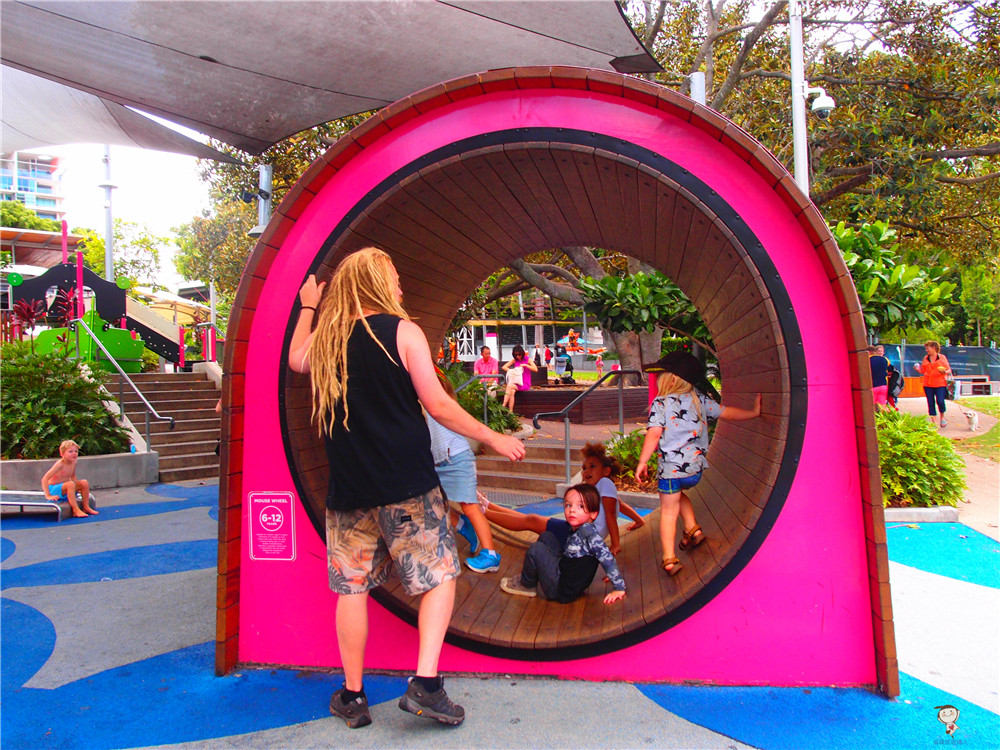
(483, 202)
(479, 197)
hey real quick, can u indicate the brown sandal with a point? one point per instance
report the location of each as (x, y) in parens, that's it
(674, 564)
(692, 538)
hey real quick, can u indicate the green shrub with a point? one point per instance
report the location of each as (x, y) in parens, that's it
(919, 466)
(150, 361)
(627, 447)
(498, 417)
(46, 399)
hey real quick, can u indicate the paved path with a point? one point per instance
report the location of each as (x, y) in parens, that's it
(980, 508)
(108, 634)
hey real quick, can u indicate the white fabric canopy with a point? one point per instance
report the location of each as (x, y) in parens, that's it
(38, 112)
(251, 73)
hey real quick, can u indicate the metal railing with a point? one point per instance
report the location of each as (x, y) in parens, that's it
(486, 392)
(564, 412)
(76, 325)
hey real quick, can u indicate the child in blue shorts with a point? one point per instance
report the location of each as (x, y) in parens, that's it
(678, 431)
(456, 470)
(61, 481)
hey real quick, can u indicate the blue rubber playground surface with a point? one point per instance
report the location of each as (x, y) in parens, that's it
(107, 641)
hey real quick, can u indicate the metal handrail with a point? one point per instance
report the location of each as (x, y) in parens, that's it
(76, 324)
(486, 393)
(564, 412)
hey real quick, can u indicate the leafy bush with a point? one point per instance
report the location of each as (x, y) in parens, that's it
(150, 361)
(47, 399)
(919, 466)
(626, 447)
(470, 398)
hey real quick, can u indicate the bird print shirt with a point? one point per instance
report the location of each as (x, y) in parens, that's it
(684, 441)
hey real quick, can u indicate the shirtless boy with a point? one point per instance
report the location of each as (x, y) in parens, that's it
(61, 480)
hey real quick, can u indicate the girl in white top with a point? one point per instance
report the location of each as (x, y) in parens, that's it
(597, 471)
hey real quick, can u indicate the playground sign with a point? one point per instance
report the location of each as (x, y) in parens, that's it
(272, 526)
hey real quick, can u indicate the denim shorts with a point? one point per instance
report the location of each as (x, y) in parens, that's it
(458, 477)
(670, 486)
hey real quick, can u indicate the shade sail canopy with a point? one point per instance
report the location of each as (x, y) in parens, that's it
(38, 112)
(252, 73)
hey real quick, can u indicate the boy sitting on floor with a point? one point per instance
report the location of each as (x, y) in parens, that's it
(564, 560)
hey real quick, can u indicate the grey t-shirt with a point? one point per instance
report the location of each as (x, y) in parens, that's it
(684, 440)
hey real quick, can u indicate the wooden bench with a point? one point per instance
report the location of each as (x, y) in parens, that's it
(975, 385)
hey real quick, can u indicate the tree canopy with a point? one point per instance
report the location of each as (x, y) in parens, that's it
(136, 253)
(914, 138)
(15, 214)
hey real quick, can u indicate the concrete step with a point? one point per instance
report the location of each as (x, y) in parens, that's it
(191, 472)
(187, 460)
(208, 423)
(528, 467)
(501, 480)
(199, 397)
(156, 386)
(545, 452)
(168, 377)
(183, 436)
(184, 448)
(187, 451)
(179, 411)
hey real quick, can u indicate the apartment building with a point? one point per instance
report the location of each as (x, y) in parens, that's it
(34, 180)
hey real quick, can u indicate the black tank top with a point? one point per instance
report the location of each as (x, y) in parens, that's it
(385, 455)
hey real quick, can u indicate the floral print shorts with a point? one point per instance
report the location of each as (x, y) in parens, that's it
(414, 534)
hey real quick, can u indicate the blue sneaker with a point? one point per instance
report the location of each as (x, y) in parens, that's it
(486, 561)
(469, 533)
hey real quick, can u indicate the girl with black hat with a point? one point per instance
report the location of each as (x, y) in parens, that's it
(678, 431)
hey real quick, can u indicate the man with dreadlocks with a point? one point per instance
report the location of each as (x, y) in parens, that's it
(371, 370)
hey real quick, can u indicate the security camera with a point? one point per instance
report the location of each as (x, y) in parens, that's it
(823, 104)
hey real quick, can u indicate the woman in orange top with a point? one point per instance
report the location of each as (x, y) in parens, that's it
(935, 369)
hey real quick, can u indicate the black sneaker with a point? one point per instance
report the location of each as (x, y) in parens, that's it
(355, 713)
(437, 705)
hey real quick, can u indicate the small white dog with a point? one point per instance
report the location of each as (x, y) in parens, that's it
(972, 419)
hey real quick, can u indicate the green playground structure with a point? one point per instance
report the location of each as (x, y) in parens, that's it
(119, 343)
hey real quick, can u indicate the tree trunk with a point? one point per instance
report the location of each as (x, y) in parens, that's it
(629, 354)
(650, 345)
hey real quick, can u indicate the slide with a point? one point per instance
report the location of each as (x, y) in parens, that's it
(158, 334)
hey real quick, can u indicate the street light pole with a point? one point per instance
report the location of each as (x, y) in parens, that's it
(109, 233)
(800, 145)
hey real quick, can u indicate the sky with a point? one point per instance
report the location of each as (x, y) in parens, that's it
(154, 188)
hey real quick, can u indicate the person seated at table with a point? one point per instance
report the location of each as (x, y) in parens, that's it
(517, 378)
(487, 364)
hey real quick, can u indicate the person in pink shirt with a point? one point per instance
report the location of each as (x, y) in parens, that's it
(486, 364)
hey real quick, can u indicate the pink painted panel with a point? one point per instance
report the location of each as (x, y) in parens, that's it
(798, 613)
